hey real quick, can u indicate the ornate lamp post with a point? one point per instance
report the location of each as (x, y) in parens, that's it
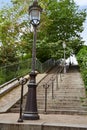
(31, 112)
(64, 46)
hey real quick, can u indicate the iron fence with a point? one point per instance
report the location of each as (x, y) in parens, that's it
(22, 68)
(15, 70)
(48, 64)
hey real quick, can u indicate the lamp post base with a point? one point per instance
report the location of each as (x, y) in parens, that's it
(30, 116)
(31, 112)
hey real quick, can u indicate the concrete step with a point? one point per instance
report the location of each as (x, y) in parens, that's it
(63, 111)
(68, 97)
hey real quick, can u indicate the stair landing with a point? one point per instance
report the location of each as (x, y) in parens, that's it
(8, 121)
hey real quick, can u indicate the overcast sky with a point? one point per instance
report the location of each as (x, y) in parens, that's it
(4, 2)
(81, 3)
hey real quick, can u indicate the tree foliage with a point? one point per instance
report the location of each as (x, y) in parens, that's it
(67, 20)
(60, 21)
(63, 22)
(12, 27)
(82, 59)
(7, 55)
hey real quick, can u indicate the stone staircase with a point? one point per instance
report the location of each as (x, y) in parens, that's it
(68, 98)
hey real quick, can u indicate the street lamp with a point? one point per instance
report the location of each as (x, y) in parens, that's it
(31, 112)
(64, 46)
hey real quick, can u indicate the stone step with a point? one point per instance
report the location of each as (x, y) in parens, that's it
(54, 108)
(64, 111)
(68, 97)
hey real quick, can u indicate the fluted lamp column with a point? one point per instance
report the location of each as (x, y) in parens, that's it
(31, 112)
(64, 46)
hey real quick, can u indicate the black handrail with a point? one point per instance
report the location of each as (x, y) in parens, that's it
(45, 86)
(22, 82)
(51, 82)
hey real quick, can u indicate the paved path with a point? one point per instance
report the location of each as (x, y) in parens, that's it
(58, 120)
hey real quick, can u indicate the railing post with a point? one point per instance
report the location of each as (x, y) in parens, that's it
(22, 82)
(45, 101)
(52, 88)
(45, 86)
(57, 81)
(61, 75)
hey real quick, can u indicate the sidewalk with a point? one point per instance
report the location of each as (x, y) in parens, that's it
(72, 121)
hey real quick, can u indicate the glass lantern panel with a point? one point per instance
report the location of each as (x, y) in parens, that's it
(35, 15)
(64, 45)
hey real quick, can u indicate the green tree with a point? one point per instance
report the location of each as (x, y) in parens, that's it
(82, 60)
(7, 55)
(60, 21)
(43, 50)
(12, 28)
(67, 20)
(65, 23)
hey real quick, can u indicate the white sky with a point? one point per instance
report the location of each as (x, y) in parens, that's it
(81, 2)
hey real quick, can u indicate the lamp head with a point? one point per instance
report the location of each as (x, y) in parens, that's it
(34, 12)
(64, 45)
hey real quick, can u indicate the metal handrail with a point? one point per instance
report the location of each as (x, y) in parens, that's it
(22, 82)
(46, 86)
